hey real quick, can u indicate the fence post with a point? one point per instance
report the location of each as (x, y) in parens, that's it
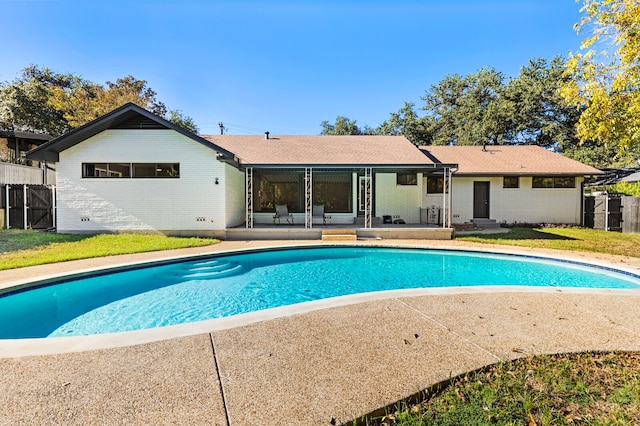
(7, 207)
(24, 203)
(606, 212)
(54, 207)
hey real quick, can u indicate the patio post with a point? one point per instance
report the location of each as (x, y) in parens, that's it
(367, 197)
(249, 198)
(449, 208)
(308, 197)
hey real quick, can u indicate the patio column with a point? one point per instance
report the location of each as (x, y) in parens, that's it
(248, 174)
(450, 192)
(308, 197)
(446, 197)
(367, 197)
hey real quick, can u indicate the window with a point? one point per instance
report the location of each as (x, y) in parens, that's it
(156, 170)
(553, 182)
(277, 188)
(106, 170)
(406, 179)
(333, 190)
(564, 182)
(511, 182)
(435, 184)
(129, 170)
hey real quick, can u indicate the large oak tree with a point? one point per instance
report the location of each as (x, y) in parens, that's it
(44, 101)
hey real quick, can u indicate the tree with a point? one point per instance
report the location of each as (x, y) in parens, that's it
(606, 84)
(407, 123)
(468, 110)
(86, 101)
(344, 126)
(541, 115)
(186, 122)
(24, 102)
(43, 101)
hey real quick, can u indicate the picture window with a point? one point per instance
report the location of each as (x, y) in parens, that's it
(553, 182)
(130, 170)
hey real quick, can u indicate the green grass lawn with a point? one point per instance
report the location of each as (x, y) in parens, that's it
(580, 239)
(565, 389)
(19, 248)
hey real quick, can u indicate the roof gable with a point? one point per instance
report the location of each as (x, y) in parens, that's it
(507, 160)
(128, 116)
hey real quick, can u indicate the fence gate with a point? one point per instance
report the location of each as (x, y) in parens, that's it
(615, 214)
(603, 212)
(589, 212)
(30, 206)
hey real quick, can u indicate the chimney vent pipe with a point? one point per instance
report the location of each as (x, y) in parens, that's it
(266, 135)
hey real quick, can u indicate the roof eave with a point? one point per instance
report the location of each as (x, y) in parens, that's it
(52, 148)
(345, 166)
(527, 173)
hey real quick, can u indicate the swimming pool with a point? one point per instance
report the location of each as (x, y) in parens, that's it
(225, 285)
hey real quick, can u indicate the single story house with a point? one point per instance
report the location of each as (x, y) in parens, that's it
(512, 184)
(132, 171)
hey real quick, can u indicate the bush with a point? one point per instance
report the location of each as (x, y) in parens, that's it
(626, 188)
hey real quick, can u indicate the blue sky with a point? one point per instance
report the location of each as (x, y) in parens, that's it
(283, 66)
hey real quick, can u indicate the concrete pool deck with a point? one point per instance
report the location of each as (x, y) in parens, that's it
(316, 366)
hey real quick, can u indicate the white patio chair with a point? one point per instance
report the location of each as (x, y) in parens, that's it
(282, 212)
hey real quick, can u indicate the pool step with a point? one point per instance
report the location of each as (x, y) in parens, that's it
(213, 268)
(339, 235)
(217, 269)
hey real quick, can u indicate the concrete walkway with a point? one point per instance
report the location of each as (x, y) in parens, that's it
(320, 367)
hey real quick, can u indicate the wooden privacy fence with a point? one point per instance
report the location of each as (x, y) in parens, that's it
(631, 215)
(609, 212)
(19, 174)
(29, 206)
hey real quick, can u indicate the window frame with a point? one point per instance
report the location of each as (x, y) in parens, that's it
(552, 182)
(511, 186)
(439, 185)
(407, 179)
(106, 168)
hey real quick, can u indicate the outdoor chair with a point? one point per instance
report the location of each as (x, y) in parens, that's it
(282, 212)
(318, 212)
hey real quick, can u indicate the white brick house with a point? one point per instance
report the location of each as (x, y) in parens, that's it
(132, 171)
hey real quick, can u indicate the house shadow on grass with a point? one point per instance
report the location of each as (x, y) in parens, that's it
(519, 234)
(19, 239)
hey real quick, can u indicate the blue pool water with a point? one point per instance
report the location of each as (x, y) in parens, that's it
(219, 286)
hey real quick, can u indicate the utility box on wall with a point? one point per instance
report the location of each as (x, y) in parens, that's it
(430, 215)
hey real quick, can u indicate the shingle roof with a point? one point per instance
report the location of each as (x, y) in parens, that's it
(322, 150)
(507, 160)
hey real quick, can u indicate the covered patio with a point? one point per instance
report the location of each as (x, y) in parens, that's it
(306, 186)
